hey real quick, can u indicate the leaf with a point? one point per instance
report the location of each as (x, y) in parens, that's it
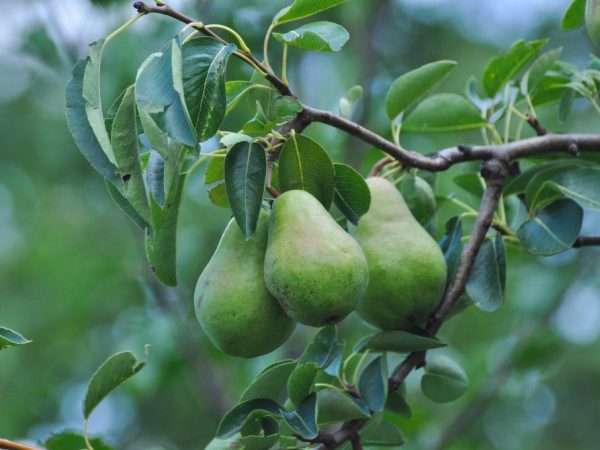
(534, 76)
(234, 419)
(304, 8)
(245, 177)
(554, 229)
(204, 62)
(337, 354)
(321, 350)
(334, 406)
(232, 443)
(316, 36)
(305, 165)
(161, 243)
(419, 197)
(444, 113)
(451, 245)
(301, 381)
(401, 342)
(10, 338)
(521, 182)
(396, 404)
(410, 88)
(566, 102)
(93, 103)
(125, 206)
(470, 182)
(487, 280)
(385, 435)
(159, 96)
(71, 440)
(444, 380)
(113, 372)
(80, 128)
(372, 384)
(351, 194)
(264, 438)
(580, 185)
(574, 16)
(304, 419)
(504, 66)
(214, 178)
(124, 140)
(270, 382)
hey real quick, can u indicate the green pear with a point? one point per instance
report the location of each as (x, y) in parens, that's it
(231, 300)
(592, 20)
(407, 270)
(312, 266)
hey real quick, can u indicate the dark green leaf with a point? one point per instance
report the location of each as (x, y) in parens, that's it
(396, 404)
(580, 185)
(351, 195)
(574, 16)
(334, 406)
(452, 246)
(566, 102)
(470, 182)
(245, 175)
(504, 66)
(125, 144)
(520, 184)
(204, 62)
(304, 8)
(125, 206)
(488, 277)
(321, 350)
(401, 342)
(419, 197)
(554, 229)
(305, 165)
(159, 96)
(337, 355)
(260, 431)
(444, 113)
(444, 380)
(301, 381)
(10, 338)
(372, 384)
(304, 419)
(316, 36)
(233, 421)
(113, 372)
(80, 127)
(270, 382)
(410, 88)
(71, 440)
(385, 435)
(236, 90)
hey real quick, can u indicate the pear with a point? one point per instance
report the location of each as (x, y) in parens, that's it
(312, 266)
(231, 300)
(407, 270)
(592, 20)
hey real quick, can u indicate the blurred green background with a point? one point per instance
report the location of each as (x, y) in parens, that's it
(73, 275)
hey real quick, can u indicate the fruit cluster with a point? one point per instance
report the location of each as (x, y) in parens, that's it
(301, 266)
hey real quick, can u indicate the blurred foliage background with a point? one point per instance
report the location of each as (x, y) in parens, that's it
(73, 276)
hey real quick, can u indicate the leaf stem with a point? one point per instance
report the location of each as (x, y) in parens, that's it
(284, 65)
(234, 33)
(88, 444)
(122, 28)
(266, 45)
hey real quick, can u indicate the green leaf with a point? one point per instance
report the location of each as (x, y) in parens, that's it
(245, 176)
(234, 419)
(580, 185)
(236, 90)
(71, 440)
(470, 182)
(204, 62)
(566, 102)
(444, 113)
(80, 128)
(305, 165)
(506, 65)
(372, 384)
(444, 380)
(534, 76)
(260, 431)
(10, 338)
(316, 36)
(410, 88)
(351, 194)
(401, 342)
(300, 9)
(113, 372)
(396, 404)
(125, 144)
(385, 435)
(161, 243)
(521, 183)
(554, 229)
(93, 103)
(214, 178)
(574, 16)
(334, 406)
(451, 245)
(487, 280)
(301, 381)
(125, 206)
(337, 354)
(159, 96)
(321, 349)
(304, 419)
(419, 197)
(232, 443)
(270, 382)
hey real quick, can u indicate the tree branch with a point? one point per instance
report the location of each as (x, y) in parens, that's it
(586, 241)
(9, 445)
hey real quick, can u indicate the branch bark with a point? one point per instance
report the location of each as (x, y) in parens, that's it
(9, 445)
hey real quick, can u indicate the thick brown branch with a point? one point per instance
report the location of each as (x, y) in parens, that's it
(587, 241)
(9, 445)
(536, 125)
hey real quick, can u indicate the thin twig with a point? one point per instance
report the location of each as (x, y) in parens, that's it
(379, 165)
(586, 241)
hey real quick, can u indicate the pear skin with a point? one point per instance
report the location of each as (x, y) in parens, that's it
(232, 303)
(312, 266)
(407, 270)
